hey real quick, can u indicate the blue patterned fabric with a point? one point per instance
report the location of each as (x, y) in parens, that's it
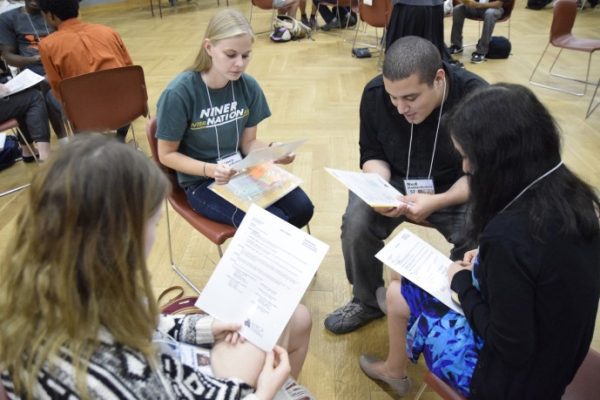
(444, 337)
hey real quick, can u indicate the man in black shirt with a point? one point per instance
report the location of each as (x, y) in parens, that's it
(403, 139)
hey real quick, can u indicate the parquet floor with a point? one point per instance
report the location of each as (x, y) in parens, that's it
(313, 88)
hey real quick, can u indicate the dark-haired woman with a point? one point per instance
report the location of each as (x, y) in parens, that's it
(530, 293)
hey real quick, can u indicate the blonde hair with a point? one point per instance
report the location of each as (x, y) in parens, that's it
(225, 24)
(77, 261)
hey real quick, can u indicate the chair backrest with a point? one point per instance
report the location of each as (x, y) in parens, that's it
(586, 384)
(216, 232)
(105, 100)
(263, 4)
(376, 14)
(508, 9)
(563, 19)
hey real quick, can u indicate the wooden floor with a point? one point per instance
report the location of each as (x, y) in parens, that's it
(314, 88)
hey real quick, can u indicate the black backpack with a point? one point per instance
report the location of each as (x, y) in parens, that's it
(500, 47)
(10, 153)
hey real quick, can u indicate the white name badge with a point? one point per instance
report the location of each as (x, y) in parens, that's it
(419, 186)
(230, 159)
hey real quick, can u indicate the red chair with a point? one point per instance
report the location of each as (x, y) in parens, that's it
(105, 100)
(263, 5)
(376, 15)
(216, 232)
(561, 36)
(13, 125)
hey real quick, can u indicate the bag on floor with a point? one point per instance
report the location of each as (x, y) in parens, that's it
(287, 28)
(10, 152)
(500, 47)
(177, 303)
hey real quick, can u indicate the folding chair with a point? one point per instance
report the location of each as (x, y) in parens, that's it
(13, 125)
(561, 36)
(263, 5)
(105, 100)
(216, 232)
(376, 15)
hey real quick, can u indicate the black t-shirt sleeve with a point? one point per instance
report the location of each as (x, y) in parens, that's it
(370, 147)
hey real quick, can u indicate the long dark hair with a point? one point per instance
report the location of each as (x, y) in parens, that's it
(510, 139)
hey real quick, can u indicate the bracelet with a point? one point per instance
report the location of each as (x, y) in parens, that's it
(204, 170)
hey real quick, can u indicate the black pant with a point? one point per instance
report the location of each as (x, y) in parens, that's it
(30, 111)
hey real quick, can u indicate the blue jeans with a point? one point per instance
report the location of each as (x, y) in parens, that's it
(295, 207)
(363, 235)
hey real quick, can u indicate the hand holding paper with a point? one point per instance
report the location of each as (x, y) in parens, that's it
(262, 276)
(419, 262)
(279, 152)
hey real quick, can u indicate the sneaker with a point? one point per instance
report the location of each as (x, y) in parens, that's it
(455, 49)
(312, 22)
(350, 317)
(457, 64)
(333, 24)
(304, 20)
(349, 21)
(477, 58)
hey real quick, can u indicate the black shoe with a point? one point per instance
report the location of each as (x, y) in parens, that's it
(455, 49)
(456, 64)
(350, 20)
(350, 317)
(477, 58)
(304, 20)
(333, 24)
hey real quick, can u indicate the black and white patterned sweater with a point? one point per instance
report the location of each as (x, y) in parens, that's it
(119, 372)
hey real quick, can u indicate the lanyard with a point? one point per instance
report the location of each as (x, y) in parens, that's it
(437, 130)
(237, 132)
(37, 35)
(531, 184)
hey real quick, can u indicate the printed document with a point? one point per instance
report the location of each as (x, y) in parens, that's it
(24, 80)
(262, 276)
(271, 153)
(370, 187)
(420, 263)
(262, 185)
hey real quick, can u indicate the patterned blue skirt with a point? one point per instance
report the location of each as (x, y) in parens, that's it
(444, 337)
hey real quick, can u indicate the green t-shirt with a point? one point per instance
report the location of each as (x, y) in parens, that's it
(186, 113)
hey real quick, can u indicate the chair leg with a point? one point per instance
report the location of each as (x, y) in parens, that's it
(37, 161)
(13, 190)
(535, 83)
(173, 265)
(421, 391)
(591, 109)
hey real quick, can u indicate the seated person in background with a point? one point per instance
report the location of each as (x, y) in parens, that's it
(77, 48)
(286, 7)
(209, 115)
(530, 293)
(78, 312)
(312, 23)
(21, 31)
(336, 17)
(490, 12)
(28, 108)
(411, 96)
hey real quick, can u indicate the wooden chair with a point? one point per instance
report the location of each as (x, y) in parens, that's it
(105, 100)
(561, 36)
(160, 6)
(586, 384)
(216, 232)
(376, 15)
(440, 387)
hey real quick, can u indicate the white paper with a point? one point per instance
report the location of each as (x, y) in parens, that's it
(262, 276)
(2, 140)
(370, 187)
(24, 80)
(422, 264)
(368, 2)
(267, 154)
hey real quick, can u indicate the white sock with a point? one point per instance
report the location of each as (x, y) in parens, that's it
(63, 140)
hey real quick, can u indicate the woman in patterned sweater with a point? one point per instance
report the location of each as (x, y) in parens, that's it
(76, 303)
